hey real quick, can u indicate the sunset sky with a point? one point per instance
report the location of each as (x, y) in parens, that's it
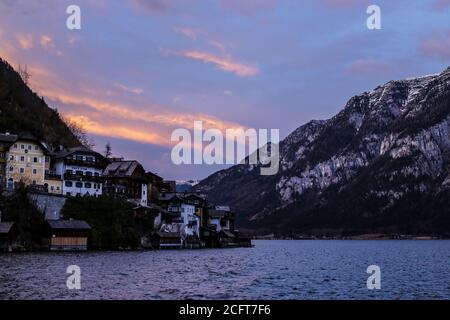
(139, 69)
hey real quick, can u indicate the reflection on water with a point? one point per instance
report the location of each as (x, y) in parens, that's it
(270, 270)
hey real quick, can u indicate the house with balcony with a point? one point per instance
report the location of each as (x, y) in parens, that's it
(26, 160)
(126, 179)
(221, 218)
(187, 219)
(76, 172)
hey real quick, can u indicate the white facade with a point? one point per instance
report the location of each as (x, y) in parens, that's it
(144, 192)
(216, 222)
(83, 182)
(190, 219)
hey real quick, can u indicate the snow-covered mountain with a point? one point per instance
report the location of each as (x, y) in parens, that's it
(379, 165)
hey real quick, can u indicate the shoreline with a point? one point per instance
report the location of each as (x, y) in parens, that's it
(355, 237)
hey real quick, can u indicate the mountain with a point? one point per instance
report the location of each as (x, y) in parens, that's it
(381, 165)
(186, 185)
(22, 110)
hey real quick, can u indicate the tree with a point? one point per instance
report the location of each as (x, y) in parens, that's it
(108, 150)
(79, 132)
(24, 74)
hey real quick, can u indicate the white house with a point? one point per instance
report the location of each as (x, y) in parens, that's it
(80, 169)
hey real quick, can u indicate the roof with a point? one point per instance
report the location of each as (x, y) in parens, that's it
(217, 213)
(228, 234)
(5, 227)
(169, 234)
(26, 136)
(223, 208)
(122, 168)
(154, 175)
(70, 151)
(180, 195)
(6, 137)
(69, 224)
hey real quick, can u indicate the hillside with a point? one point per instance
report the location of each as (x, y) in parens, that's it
(380, 165)
(22, 110)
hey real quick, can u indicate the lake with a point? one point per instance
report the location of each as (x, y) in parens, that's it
(270, 270)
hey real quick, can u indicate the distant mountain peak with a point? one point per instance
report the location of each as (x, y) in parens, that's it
(386, 146)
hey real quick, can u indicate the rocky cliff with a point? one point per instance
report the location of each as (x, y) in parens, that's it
(379, 165)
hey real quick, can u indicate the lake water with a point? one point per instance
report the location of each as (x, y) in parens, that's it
(270, 270)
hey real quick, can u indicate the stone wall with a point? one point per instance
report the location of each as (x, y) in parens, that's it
(50, 205)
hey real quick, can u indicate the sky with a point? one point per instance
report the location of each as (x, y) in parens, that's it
(139, 69)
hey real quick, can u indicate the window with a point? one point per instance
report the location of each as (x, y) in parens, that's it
(22, 170)
(57, 188)
(11, 158)
(35, 159)
(15, 146)
(52, 188)
(69, 184)
(22, 147)
(10, 185)
(88, 185)
(36, 148)
(69, 172)
(11, 169)
(29, 147)
(97, 174)
(34, 171)
(79, 172)
(90, 159)
(22, 159)
(79, 184)
(88, 173)
(68, 194)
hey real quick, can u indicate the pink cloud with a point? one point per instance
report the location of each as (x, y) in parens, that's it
(218, 45)
(369, 66)
(188, 32)
(437, 45)
(25, 41)
(46, 41)
(128, 89)
(225, 64)
(441, 5)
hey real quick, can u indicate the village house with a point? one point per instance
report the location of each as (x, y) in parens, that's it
(126, 179)
(26, 162)
(8, 234)
(178, 203)
(66, 235)
(6, 139)
(76, 172)
(221, 218)
(221, 226)
(155, 186)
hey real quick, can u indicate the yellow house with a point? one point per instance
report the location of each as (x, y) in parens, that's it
(53, 185)
(26, 162)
